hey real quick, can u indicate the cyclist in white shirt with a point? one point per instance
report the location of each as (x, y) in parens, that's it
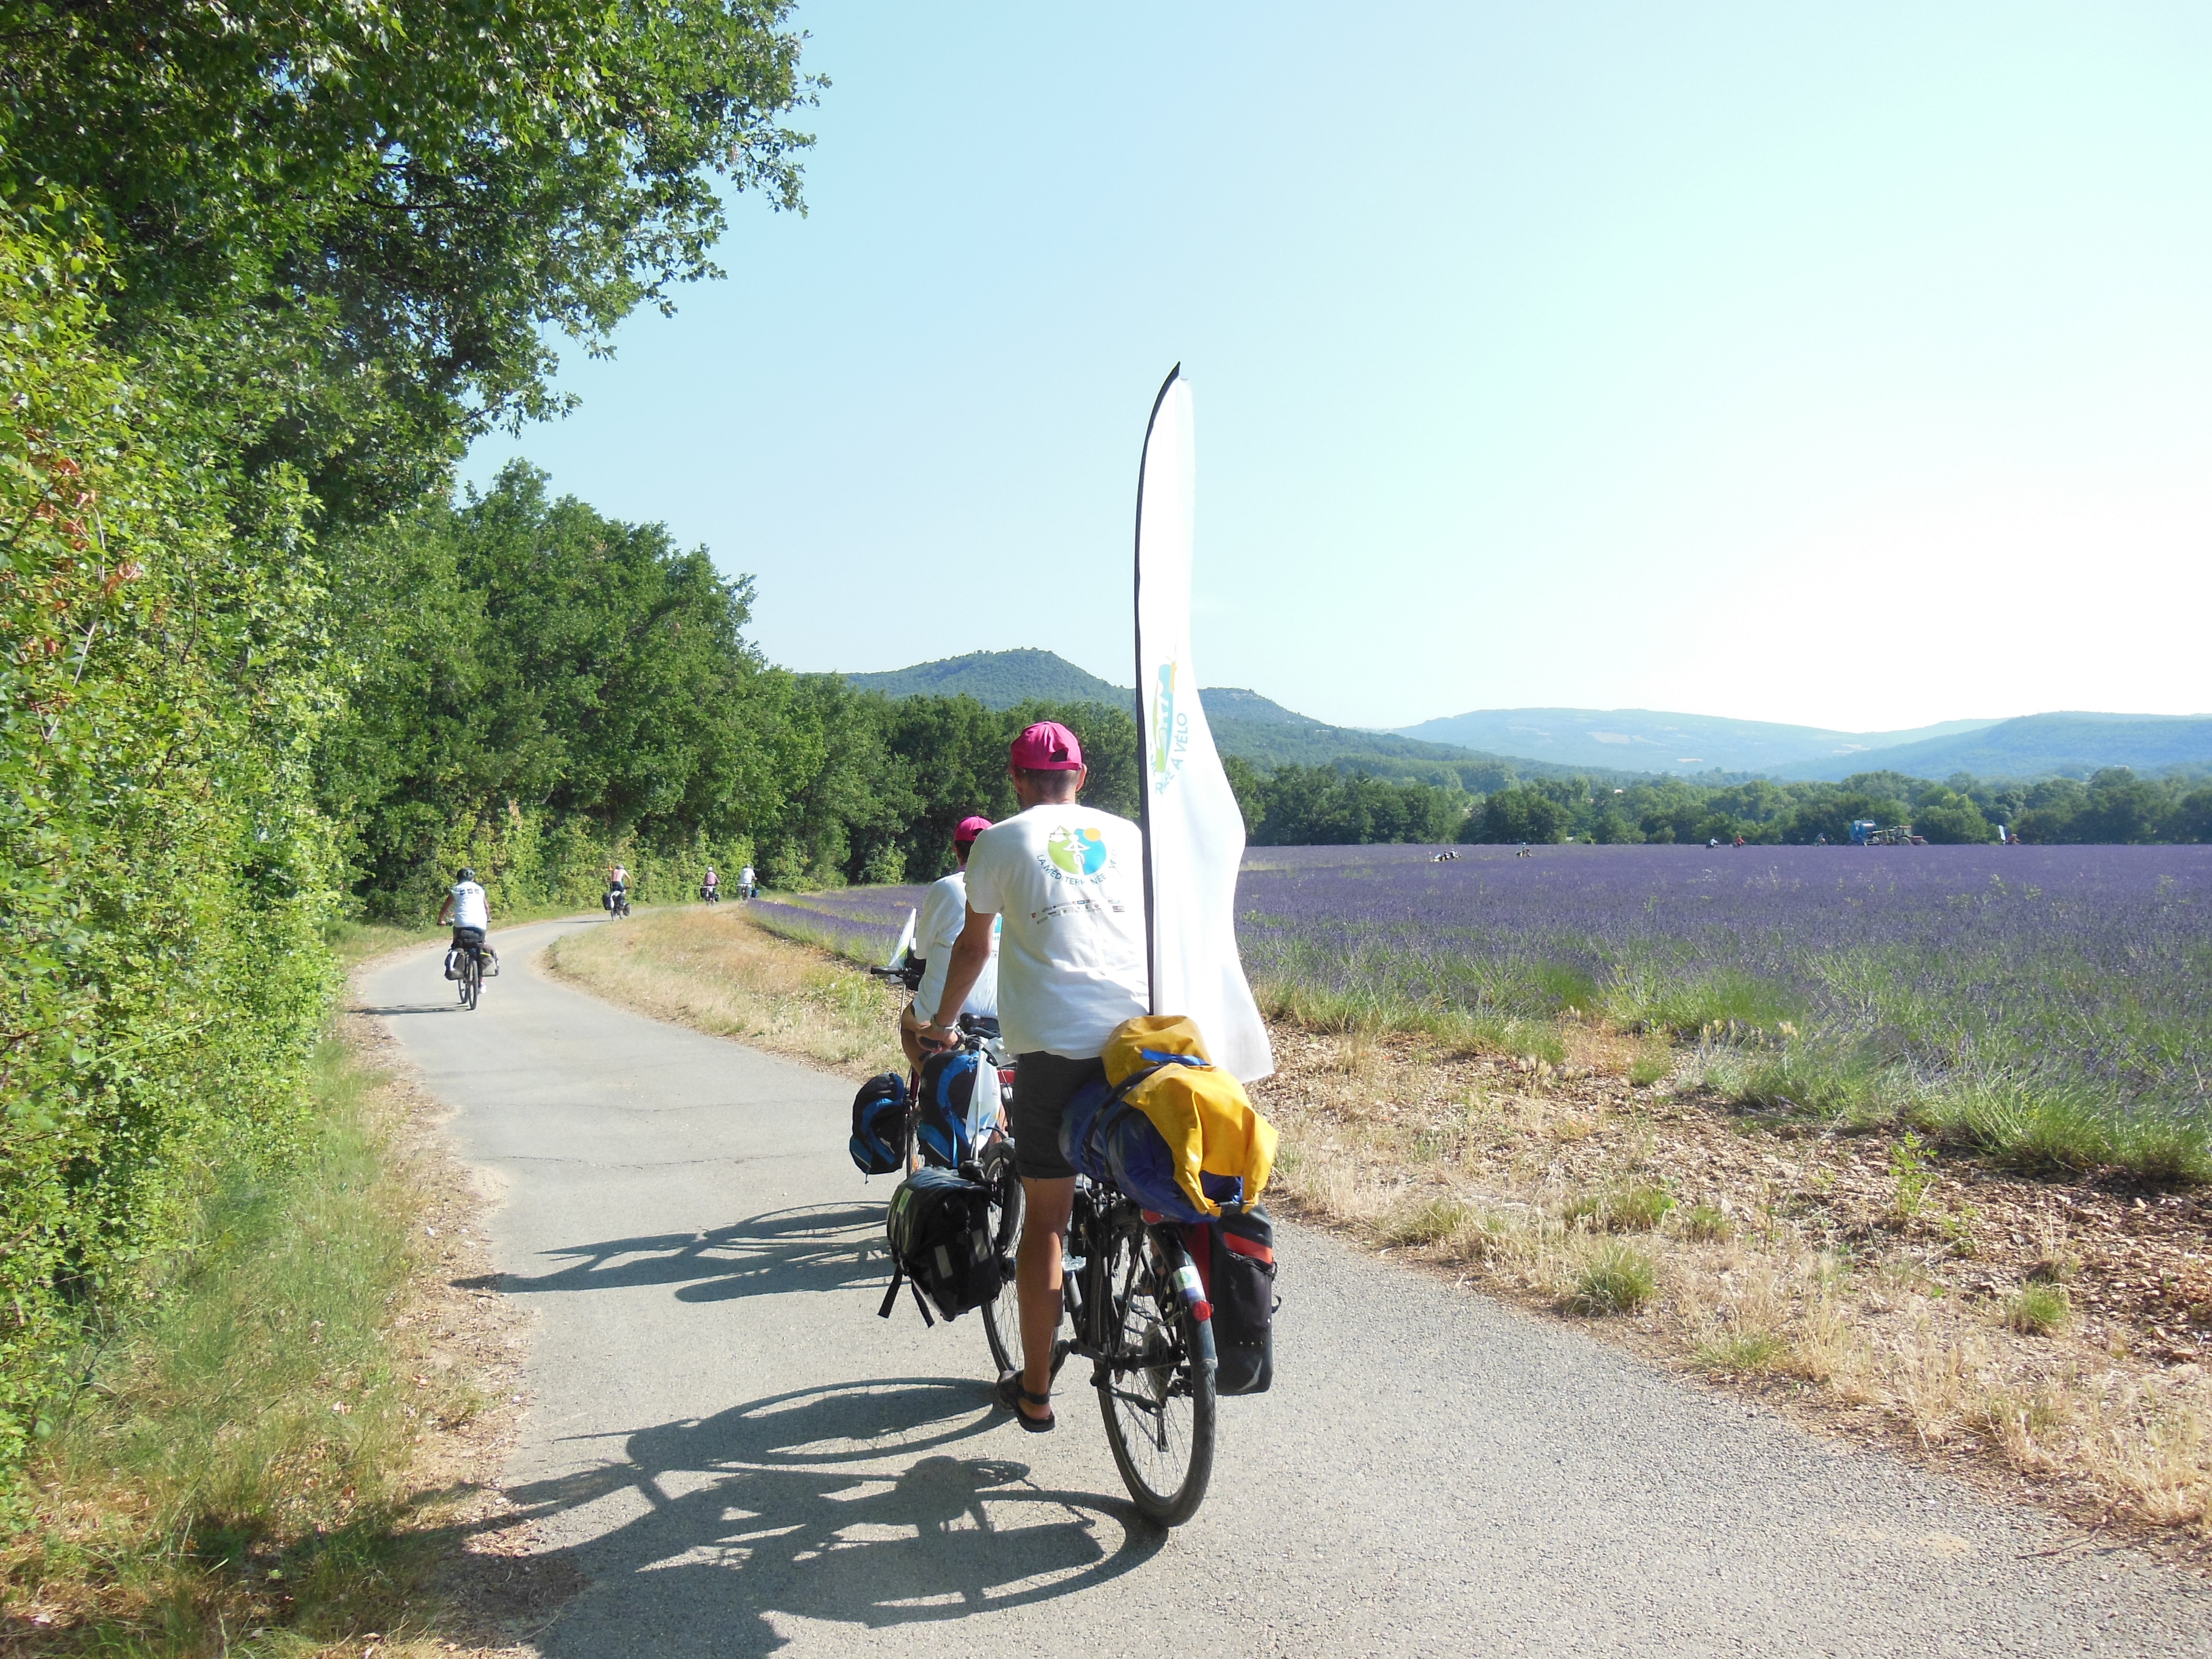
(943, 913)
(468, 912)
(1067, 884)
(746, 885)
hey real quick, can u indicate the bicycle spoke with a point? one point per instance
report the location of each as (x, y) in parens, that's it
(1156, 1384)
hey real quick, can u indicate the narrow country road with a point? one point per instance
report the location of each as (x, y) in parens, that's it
(742, 1459)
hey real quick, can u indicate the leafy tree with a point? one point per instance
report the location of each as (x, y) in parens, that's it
(351, 225)
(1522, 814)
(2122, 807)
(1943, 815)
(162, 871)
(524, 655)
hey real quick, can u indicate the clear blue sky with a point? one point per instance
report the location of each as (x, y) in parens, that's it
(1843, 365)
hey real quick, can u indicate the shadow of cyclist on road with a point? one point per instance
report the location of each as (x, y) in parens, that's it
(845, 1504)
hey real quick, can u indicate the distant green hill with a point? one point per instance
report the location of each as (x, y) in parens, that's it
(2037, 745)
(997, 679)
(1652, 740)
(1245, 724)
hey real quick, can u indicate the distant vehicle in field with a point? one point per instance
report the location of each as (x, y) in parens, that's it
(1865, 832)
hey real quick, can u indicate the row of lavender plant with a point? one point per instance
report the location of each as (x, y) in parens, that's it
(2014, 988)
(861, 923)
(2026, 985)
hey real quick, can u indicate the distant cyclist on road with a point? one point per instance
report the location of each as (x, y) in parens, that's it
(746, 885)
(944, 915)
(1065, 884)
(711, 888)
(468, 912)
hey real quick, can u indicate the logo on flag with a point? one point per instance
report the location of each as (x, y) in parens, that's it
(1170, 732)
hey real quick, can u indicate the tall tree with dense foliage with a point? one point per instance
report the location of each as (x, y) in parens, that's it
(161, 867)
(352, 225)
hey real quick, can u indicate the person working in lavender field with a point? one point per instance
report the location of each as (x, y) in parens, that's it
(1064, 886)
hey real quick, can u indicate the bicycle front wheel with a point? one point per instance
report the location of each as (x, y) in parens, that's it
(1002, 1313)
(1155, 1380)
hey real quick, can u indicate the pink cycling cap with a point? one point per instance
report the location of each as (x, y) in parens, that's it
(1048, 746)
(969, 829)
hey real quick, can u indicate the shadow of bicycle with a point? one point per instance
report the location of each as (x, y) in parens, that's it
(845, 1503)
(815, 1247)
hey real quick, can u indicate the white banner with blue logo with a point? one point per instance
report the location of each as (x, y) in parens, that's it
(1195, 835)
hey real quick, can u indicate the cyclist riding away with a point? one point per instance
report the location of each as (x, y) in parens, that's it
(1064, 886)
(710, 889)
(943, 913)
(469, 913)
(746, 885)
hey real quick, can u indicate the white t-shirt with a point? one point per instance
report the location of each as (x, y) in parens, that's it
(943, 913)
(469, 909)
(1068, 886)
(745, 876)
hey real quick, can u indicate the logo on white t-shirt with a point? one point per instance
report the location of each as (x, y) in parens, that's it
(1076, 851)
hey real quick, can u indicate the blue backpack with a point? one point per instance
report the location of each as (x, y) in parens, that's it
(879, 1124)
(948, 1083)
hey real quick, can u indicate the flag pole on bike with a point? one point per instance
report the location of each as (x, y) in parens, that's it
(1194, 830)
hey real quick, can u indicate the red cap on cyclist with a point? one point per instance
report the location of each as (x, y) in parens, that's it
(1048, 746)
(969, 829)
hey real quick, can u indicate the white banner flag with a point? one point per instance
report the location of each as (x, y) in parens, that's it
(1194, 833)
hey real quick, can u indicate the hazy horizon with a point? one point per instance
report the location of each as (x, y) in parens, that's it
(1845, 370)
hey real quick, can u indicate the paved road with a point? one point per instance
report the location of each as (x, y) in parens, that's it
(742, 1459)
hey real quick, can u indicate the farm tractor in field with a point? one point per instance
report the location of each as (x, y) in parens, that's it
(1865, 832)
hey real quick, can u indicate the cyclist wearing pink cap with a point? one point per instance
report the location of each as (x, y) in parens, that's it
(943, 913)
(1065, 884)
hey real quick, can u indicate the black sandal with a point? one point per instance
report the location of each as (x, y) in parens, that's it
(1011, 1394)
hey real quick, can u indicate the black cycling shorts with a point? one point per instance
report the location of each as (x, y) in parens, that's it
(467, 936)
(1043, 1085)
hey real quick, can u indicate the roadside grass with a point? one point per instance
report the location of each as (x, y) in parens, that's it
(2038, 1309)
(1618, 1278)
(230, 1476)
(718, 971)
(1471, 1166)
(1379, 1011)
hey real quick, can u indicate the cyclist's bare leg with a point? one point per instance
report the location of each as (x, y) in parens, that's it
(1046, 1206)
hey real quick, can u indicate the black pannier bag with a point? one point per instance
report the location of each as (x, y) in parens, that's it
(939, 1228)
(879, 1124)
(1236, 1257)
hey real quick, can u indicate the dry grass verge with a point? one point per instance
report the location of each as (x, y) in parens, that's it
(2050, 1341)
(295, 1452)
(715, 972)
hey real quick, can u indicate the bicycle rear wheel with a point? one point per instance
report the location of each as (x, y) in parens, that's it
(1002, 1313)
(1156, 1381)
(472, 980)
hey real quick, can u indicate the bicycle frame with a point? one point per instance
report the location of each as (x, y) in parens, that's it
(1086, 1296)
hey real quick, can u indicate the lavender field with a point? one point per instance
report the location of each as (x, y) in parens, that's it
(2050, 1004)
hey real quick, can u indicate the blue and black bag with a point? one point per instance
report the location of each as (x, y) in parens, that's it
(948, 1081)
(879, 1124)
(1107, 1138)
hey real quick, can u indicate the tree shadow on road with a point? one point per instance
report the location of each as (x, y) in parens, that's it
(844, 1503)
(815, 1247)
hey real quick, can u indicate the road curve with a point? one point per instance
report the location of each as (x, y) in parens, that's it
(742, 1459)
